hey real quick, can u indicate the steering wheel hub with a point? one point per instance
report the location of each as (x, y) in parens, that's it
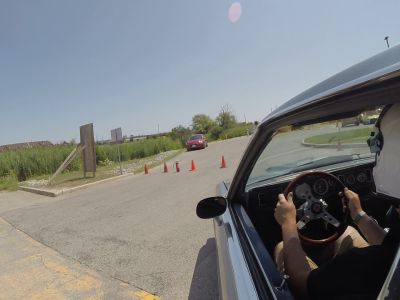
(316, 208)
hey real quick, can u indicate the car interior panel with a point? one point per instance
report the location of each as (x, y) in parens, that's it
(262, 200)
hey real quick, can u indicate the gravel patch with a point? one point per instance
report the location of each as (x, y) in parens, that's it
(35, 182)
(138, 164)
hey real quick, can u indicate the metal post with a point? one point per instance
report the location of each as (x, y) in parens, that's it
(119, 160)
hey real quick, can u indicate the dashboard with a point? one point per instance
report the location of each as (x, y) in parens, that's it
(322, 187)
(358, 179)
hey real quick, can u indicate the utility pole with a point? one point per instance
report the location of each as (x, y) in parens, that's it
(387, 41)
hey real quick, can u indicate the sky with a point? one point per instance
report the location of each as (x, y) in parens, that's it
(152, 65)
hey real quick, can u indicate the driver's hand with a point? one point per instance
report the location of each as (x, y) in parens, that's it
(285, 211)
(354, 202)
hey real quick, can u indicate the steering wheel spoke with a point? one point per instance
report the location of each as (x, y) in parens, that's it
(300, 212)
(327, 217)
(302, 222)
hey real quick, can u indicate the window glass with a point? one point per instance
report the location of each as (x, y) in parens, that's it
(296, 149)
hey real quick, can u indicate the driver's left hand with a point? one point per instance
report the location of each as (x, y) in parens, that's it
(285, 211)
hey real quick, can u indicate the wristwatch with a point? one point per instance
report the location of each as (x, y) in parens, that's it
(358, 217)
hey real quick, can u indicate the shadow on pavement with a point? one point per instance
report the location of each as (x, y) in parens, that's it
(205, 278)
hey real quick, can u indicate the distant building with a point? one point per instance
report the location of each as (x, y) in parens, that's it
(28, 145)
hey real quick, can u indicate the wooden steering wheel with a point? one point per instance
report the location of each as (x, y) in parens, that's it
(321, 219)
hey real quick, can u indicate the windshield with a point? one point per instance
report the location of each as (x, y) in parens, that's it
(196, 137)
(312, 146)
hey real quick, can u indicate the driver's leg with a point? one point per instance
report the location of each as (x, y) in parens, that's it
(278, 256)
(349, 239)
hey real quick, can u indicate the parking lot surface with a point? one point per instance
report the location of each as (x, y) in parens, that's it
(140, 230)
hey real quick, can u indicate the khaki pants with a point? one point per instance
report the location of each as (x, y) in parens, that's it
(349, 239)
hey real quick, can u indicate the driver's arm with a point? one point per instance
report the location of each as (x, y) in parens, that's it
(294, 258)
(368, 227)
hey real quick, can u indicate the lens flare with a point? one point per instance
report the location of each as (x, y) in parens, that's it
(235, 11)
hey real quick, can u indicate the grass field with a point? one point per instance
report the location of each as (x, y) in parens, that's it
(345, 137)
(75, 178)
(21, 165)
(8, 183)
(40, 163)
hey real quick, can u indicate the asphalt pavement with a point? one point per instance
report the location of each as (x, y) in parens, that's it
(140, 230)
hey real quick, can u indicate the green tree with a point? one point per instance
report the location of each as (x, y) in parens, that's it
(202, 123)
(226, 119)
(180, 133)
(215, 132)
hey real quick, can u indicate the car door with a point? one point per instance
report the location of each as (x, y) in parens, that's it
(390, 289)
(235, 280)
(246, 269)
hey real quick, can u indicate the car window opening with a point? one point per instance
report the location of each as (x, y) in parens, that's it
(299, 148)
(341, 148)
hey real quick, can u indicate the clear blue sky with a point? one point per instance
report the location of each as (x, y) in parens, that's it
(136, 64)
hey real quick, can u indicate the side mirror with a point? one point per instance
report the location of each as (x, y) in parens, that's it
(211, 207)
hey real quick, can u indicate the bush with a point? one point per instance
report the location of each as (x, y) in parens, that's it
(215, 133)
(235, 132)
(218, 132)
(137, 149)
(9, 183)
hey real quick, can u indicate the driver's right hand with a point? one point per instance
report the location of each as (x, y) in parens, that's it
(354, 202)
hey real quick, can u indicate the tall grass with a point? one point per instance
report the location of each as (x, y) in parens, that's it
(26, 163)
(137, 149)
(241, 130)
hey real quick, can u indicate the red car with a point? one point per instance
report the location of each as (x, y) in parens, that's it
(197, 141)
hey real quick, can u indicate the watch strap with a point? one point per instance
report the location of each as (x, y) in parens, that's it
(359, 217)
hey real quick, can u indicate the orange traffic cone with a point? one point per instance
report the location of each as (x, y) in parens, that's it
(177, 166)
(193, 168)
(223, 162)
(165, 167)
(146, 169)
